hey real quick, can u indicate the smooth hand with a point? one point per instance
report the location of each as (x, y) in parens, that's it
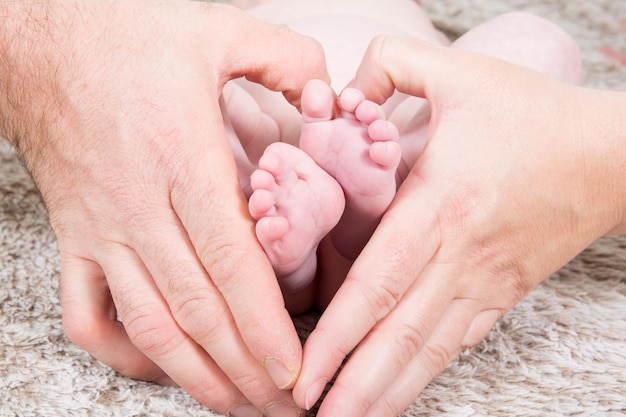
(519, 175)
(114, 107)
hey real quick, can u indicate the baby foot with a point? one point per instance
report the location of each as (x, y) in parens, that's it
(360, 150)
(295, 203)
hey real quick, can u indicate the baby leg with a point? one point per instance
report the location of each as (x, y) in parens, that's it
(527, 40)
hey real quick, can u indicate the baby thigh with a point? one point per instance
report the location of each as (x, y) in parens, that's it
(527, 40)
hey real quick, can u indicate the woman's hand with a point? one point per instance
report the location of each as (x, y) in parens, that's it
(520, 174)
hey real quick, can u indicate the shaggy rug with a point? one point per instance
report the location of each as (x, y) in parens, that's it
(561, 351)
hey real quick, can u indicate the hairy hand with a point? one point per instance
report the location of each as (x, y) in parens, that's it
(116, 115)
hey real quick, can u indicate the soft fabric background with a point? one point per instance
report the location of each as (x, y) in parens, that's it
(562, 351)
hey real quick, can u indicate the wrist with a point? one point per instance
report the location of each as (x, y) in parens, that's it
(604, 136)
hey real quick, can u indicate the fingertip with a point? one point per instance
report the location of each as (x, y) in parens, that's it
(408, 65)
(274, 56)
(319, 365)
(372, 77)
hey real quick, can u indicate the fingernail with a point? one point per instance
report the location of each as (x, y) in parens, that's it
(282, 410)
(283, 378)
(314, 393)
(244, 410)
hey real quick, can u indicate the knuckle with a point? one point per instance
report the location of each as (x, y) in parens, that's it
(360, 395)
(216, 391)
(388, 406)
(212, 391)
(246, 380)
(437, 357)
(222, 258)
(410, 339)
(521, 286)
(179, 274)
(192, 310)
(152, 332)
(381, 297)
(338, 349)
(81, 329)
(509, 276)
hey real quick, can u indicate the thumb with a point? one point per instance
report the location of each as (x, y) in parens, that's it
(413, 67)
(271, 55)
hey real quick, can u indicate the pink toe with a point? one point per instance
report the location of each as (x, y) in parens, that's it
(382, 131)
(261, 179)
(272, 162)
(368, 112)
(350, 99)
(261, 204)
(317, 102)
(272, 228)
(386, 154)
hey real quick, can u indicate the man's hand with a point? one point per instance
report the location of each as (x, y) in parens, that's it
(520, 174)
(114, 108)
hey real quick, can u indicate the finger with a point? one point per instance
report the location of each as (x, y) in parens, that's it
(481, 326)
(272, 55)
(394, 342)
(410, 66)
(412, 330)
(151, 327)
(90, 320)
(203, 335)
(372, 288)
(444, 345)
(214, 213)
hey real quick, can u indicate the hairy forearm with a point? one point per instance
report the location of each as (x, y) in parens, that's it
(32, 55)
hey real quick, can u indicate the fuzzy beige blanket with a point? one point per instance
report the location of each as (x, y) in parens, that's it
(561, 351)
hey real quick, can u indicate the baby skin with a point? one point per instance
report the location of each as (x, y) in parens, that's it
(338, 182)
(319, 182)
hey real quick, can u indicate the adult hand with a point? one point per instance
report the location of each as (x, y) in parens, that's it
(519, 175)
(114, 108)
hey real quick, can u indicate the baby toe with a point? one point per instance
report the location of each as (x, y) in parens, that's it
(368, 112)
(350, 99)
(317, 102)
(261, 204)
(386, 154)
(271, 229)
(261, 179)
(383, 131)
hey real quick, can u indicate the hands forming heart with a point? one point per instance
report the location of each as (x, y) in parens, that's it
(503, 177)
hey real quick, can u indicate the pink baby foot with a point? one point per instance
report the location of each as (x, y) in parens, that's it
(295, 203)
(360, 150)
